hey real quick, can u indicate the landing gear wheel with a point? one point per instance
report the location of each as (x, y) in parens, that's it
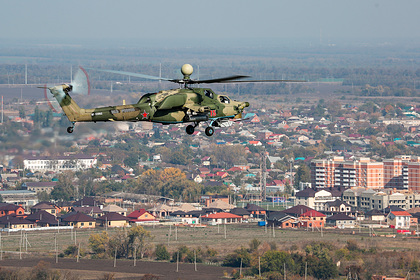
(190, 129)
(209, 131)
(70, 129)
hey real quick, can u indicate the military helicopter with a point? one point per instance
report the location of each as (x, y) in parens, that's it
(183, 105)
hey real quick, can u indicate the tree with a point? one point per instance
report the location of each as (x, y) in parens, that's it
(303, 174)
(162, 253)
(276, 261)
(238, 256)
(99, 243)
(138, 240)
(64, 189)
(22, 112)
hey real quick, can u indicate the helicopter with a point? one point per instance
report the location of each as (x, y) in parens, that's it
(183, 105)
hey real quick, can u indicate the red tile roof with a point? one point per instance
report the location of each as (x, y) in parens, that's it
(137, 213)
(313, 213)
(221, 215)
(401, 213)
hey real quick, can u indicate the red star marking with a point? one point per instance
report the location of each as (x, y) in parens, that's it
(145, 114)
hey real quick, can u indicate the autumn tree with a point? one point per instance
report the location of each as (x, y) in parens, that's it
(99, 244)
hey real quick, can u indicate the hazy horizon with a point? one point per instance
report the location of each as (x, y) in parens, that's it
(216, 23)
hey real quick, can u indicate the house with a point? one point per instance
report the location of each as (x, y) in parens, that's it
(78, 220)
(12, 222)
(207, 199)
(221, 218)
(315, 199)
(181, 217)
(161, 210)
(245, 214)
(297, 210)
(114, 208)
(311, 219)
(381, 277)
(87, 201)
(39, 187)
(281, 220)
(255, 210)
(46, 206)
(375, 215)
(221, 204)
(336, 207)
(93, 211)
(398, 219)
(11, 209)
(43, 218)
(112, 219)
(341, 220)
(255, 143)
(141, 217)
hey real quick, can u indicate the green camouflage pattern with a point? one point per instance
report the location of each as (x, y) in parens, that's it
(166, 107)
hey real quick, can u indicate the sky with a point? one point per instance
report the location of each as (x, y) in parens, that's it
(326, 21)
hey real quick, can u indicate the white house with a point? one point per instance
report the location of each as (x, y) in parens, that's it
(399, 219)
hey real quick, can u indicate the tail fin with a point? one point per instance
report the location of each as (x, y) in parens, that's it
(69, 106)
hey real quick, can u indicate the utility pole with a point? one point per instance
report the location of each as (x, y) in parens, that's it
(263, 175)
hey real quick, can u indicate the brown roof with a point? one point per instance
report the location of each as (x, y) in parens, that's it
(112, 216)
(79, 217)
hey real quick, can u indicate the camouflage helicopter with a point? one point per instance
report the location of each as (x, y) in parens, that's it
(183, 105)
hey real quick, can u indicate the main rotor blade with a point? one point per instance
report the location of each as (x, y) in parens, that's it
(218, 80)
(269, 81)
(131, 74)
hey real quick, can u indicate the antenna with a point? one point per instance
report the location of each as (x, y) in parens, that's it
(26, 74)
(2, 109)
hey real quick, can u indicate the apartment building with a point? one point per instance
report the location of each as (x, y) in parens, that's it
(401, 172)
(336, 172)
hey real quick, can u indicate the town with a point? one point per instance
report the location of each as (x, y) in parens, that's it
(324, 156)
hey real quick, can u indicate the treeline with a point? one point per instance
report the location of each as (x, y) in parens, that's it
(394, 79)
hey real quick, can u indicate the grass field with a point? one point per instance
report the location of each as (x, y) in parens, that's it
(16, 245)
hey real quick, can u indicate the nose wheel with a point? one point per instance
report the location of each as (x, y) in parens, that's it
(209, 131)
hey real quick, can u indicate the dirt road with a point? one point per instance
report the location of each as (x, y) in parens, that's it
(96, 269)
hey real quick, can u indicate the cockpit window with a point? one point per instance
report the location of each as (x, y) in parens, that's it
(208, 93)
(224, 99)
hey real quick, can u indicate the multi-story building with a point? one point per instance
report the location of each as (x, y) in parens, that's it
(368, 199)
(336, 172)
(59, 163)
(401, 172)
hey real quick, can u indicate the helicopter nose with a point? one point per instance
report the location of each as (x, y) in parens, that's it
(243, 105)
